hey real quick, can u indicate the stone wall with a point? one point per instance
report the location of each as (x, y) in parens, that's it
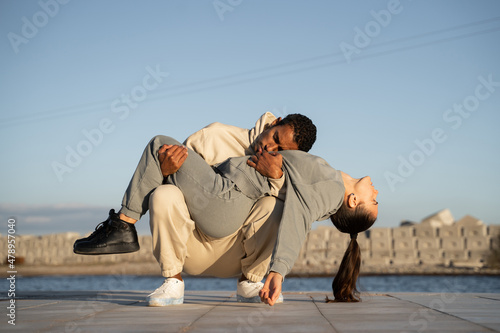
(436, 241)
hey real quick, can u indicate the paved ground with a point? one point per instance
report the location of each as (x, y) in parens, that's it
(126, 311)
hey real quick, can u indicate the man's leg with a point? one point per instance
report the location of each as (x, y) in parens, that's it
(219, 207)
(117, 234)
(171, 227)
(246, 253)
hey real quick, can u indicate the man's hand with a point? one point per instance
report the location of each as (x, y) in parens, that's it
(272, 288)
(268, 164)
(171, 158)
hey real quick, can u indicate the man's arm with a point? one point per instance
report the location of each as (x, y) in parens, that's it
(171, 158)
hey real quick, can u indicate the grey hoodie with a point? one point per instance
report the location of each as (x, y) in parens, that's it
(314, 192)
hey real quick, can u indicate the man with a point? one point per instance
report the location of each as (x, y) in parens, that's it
(214, 143)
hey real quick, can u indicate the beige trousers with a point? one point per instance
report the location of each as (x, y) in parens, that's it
(179, 246)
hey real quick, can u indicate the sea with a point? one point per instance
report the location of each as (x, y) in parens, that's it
(380, 283)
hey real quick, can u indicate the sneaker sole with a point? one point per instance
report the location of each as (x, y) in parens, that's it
(255, 299)
(165, 301)
(112, 249)
(242, 299)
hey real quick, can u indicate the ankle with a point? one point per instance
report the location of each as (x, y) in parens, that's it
(242, 278)
(177, 276)
(127, 219)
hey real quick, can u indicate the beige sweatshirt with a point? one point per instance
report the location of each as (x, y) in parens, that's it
(218, 142)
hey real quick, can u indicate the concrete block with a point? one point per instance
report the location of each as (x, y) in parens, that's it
(494, 230)
(403, 232)
(455, 255)
(405, 257)
(317, 235)
(364, 242)
(431, 257)
(425, 231)
(380, 255)
(475, 230)
(327, 230)
(428, 243)
(381, 245)
(303, 252)
(405, 244)
(312, 245)
(316, 257)
(378, 260)
(335, 258)
(453, 244)
(334, 233)
(478, 256)
(478, 243)
(380, 233)
(338, 245)
(451, 231)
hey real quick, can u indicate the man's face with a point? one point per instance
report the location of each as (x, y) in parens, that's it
(276, 138)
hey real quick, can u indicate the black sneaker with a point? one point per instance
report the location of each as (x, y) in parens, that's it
(110, 237)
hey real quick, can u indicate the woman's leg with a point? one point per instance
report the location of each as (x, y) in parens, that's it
(214, 203)
(147, 177)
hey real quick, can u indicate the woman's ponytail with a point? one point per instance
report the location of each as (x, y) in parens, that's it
(344, 284)
(351, 221)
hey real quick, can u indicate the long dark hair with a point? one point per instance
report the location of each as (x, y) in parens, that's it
(351, 221)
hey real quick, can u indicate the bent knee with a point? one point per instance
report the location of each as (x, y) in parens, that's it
(160, 140)
(166, 194)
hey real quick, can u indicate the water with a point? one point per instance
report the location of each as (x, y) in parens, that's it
(388, 283)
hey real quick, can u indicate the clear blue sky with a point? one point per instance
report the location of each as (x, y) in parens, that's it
(407, 92)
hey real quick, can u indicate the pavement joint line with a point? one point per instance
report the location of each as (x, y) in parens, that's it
(321, 313)
(190, 325)
(38, 305)
(488, 298)
(445, 313)
(90, 315)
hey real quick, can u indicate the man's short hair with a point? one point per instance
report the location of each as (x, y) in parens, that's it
(304, 130)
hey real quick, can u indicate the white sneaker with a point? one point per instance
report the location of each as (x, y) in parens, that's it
(169, 293)
(248, 292)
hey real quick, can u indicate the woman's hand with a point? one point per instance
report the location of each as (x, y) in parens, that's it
(171, 158)
(272, 288)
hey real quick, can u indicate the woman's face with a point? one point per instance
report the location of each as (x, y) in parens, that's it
(367, 194)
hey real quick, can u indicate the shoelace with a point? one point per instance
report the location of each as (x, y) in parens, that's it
(105, 225)
(97, 229)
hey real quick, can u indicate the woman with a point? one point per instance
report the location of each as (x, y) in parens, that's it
(219, 200)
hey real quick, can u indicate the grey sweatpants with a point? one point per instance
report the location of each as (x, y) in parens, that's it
(214, 202)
